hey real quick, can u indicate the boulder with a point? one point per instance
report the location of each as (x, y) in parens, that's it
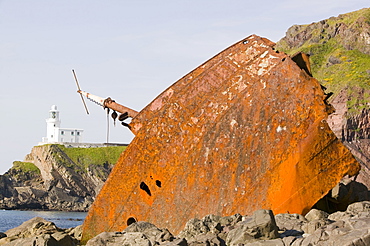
(348, 228)
(355, 210)
(75, 232)
(176, 242)
(273, 242)
(290, 224)
(38, 231)
(119, 238)
(153, 233)
(139, 233)
(260, 226)
(193, 228)
(206, 239)
(315, 214)
(42, 240)
(64, 239)
(312, 226)
(32, 227)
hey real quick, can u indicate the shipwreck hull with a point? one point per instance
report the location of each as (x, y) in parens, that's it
(244, 131)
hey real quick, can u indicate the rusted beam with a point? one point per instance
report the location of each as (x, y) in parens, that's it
(244, 131)
(109, 103)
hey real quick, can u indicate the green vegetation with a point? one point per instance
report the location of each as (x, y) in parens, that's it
(332, 64)
(93, 156)
(80, 159)
(25, 167)
(351, 17)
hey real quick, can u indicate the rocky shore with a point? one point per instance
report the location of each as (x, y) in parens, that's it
(350, 227)
(56, 177)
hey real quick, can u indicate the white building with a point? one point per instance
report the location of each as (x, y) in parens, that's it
(55, 134)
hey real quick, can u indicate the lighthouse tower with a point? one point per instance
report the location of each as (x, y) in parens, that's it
(52, 125)
(55, 134)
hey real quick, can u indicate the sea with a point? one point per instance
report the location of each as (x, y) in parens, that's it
(13, 218)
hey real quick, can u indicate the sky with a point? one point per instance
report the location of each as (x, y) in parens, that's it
(130, 51)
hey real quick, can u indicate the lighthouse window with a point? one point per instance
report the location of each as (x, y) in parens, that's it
(62, 133)
(72, 133)
(78, 133)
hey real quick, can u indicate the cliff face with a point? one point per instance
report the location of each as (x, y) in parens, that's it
(57, 178)
(354, 131)
(339, 50)
(350, 30)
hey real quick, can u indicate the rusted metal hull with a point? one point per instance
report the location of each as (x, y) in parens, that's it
(244, 131)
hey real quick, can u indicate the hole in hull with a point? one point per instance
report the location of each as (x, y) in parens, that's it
(131, 220)
(145, 188)
(158, 183)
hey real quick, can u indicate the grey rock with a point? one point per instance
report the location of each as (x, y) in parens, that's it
(288, 240)
(334, 60)
(64, 239)
(273, 242)
(32, 227)
(75, 232)
(227, 224)
(213, 223)
(239, 236)
(350, 230)
(354, 210)
(358, 223)
(41, 240)
(297, 242)
(230, 220)
(339, 216)
(38, 231)
(104, 238)
(360, 209)
(119, 238)
(315, 214)
(339, 236)
(206, 239)
(153, 233)
(176, 242)
(139, 233)
(290, 224)
(313, 239)
(312, 226)
(193, 228)
(261, 226)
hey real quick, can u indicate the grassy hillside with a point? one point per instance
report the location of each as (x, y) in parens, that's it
(80, 159)
(93, 156)
(339, 50)
(25, 167)
(76, 158)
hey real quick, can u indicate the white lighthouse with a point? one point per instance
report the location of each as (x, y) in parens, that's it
(55, 134)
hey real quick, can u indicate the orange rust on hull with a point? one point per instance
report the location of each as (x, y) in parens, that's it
(244, 131)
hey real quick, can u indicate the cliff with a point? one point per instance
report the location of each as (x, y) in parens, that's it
(339, 49)
(54, 177)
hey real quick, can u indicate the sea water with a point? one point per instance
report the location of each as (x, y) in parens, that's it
(13, 218)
